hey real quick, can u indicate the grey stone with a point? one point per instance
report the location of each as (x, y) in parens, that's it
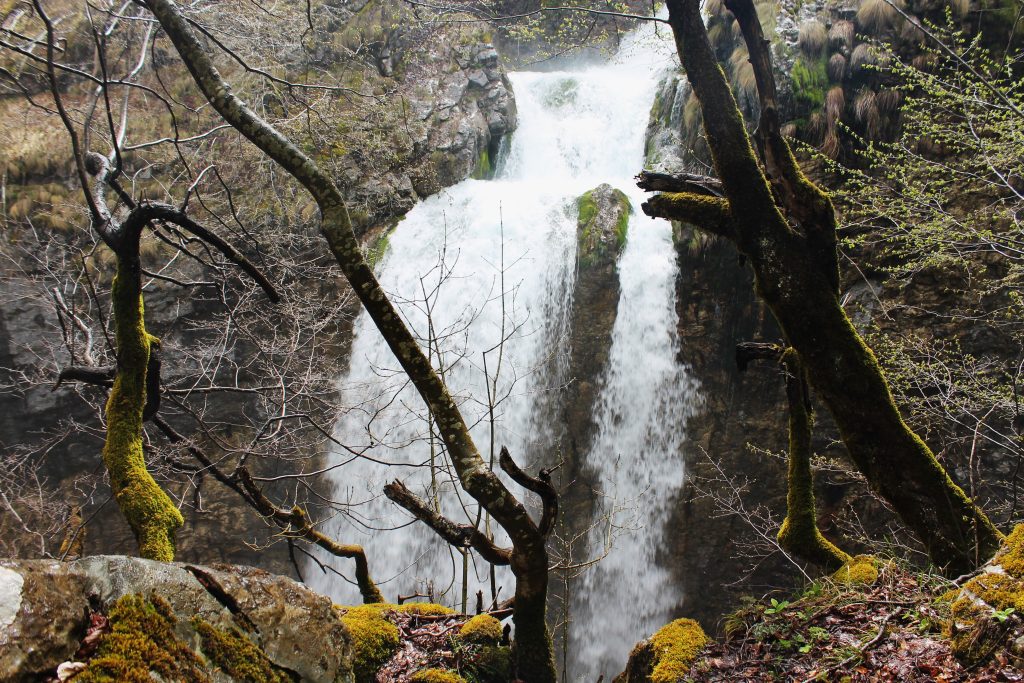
(296, 628)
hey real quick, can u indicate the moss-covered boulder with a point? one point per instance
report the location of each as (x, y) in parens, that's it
(126, 618)
(666, 656)
(483, 629)
(986, 611)
(375, 638)
(602, 223)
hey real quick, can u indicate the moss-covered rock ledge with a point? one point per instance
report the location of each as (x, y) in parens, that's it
(872, 620)
(123, 619)
(112, 619)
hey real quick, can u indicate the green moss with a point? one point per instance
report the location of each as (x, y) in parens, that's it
(974, 630)
(1011, 559)
(237, 656)
(676, 645)
(810, 81)
(483, 628)
(492, 665)
(148, 510)
(860, 570)
(142, 641)
(374, 638)
(376, 252)
(482, 170)
(591, 248)
(436, 676)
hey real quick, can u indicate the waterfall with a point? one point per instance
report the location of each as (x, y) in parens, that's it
(485, 269)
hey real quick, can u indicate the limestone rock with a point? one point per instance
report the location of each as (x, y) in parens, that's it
(603, 219)
(297, 629)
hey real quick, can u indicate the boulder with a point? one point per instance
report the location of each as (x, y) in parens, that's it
(46, 609)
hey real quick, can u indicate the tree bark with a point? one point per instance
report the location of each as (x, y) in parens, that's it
(786, 228)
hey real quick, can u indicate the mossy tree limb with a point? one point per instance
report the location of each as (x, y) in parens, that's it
(786, 228)
(297, 523)
(135, 390)
(534, 656)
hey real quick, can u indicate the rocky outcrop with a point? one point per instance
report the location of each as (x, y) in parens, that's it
(602, 224)
(53, 610)
(450, 106)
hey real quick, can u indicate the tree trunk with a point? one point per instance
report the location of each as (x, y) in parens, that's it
(787, 230)
(149, 511)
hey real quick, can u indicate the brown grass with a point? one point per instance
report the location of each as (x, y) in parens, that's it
(830, 146)
(875, 16)
(862, 56)
(813, 38)
(836, 68)
(742, 70)
(835, 102)
(888, 101)
(840, 36)
(816, 128)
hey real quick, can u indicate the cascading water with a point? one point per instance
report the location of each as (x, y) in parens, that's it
(487, 261)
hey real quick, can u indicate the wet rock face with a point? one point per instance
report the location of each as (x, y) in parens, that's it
(296, 629)
(465, 114)
(603, 219)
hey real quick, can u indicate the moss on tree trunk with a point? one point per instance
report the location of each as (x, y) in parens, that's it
(799, 534)
(152, 516)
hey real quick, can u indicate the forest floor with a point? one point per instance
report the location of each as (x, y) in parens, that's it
(895, 629)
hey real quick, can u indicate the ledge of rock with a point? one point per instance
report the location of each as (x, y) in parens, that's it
(50, 610)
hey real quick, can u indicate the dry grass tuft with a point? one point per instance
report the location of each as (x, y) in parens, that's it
(836, 68)
(714, 8)
(816, 128)
(875, 16)
(862, 56)
(830, 146)
(840, 36)
(743, 81)
(888, 101)
(813, 38)
(835, 102)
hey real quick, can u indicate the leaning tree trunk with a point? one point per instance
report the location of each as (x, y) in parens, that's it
(474, 475)
(787, 230)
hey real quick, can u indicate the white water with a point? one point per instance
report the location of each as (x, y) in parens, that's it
(517, 235)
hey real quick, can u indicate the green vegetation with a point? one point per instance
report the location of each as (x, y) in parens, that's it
(675, 647)
(810, 81)
(237, 656)
(142, 641)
